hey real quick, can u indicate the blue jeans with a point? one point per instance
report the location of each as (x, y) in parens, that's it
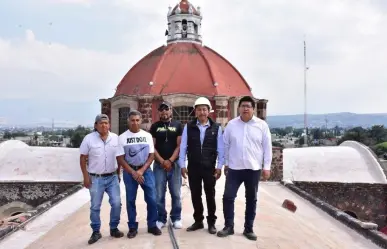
(234, 179)
(149, 188)
(100, 185)
(173, 178)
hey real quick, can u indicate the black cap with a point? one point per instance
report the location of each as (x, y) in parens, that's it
(164, 103)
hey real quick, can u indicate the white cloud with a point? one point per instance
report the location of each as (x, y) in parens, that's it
(51, 71)
(82, 2)
(263, 39)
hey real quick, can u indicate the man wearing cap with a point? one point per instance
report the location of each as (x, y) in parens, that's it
(138, 150)
(202, 143)
(98, 160)
(166, 135)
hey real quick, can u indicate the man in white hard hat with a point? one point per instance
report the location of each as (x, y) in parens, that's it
(202, 143)
(248, 138)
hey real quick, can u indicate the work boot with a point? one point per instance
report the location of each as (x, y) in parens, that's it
(95, 236)
(116, 233)
(132, 233)
(195, 226)
(211, 229)
(249, 234)
(226, 231)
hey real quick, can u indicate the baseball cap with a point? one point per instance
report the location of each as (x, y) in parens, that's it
(165, 103)
(101, 117)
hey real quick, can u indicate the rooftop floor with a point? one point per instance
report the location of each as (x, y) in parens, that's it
(66, 225)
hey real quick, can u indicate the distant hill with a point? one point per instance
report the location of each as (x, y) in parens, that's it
(344, 119)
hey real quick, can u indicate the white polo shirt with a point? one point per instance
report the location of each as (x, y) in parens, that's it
(247, 145)
(101, 154)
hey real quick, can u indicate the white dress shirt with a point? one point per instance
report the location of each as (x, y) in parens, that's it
(101, 154)
(248, 144)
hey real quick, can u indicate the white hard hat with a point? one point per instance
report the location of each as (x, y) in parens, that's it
(203, 101)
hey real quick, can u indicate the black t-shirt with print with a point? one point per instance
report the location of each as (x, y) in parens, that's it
(166, 136)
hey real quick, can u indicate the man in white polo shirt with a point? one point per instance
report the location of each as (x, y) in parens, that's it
(99, 151)
(248, 151)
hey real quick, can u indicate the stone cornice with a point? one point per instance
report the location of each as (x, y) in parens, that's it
(124, 96)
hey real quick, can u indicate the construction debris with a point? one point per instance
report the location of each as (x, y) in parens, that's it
(289, 205)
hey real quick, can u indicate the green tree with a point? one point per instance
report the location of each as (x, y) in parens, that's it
(77, 136)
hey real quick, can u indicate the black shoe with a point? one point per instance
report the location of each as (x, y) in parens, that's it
(226, 232)
(154, 230)
(249, 234)
(195, 226)
(132, 233)
(116, 233)
(211, 229)
(95, 236)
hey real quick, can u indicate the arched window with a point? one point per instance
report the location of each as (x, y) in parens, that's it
(184, 29)
(123, 114)
(184, 114)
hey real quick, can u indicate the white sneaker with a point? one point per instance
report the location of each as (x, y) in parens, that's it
(159, 224)
(178, 224)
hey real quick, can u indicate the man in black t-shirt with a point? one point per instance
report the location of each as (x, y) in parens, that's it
(166, 135)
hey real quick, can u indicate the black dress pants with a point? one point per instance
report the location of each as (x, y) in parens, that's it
(197, 175)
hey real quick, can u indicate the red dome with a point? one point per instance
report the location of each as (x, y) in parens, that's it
(183, 68)
(184, 6)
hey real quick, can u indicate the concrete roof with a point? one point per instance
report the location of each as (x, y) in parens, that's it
(67, 225)
(351, 162)
(20, 162)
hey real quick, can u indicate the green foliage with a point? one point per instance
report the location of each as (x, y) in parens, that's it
(381, 148)
(374, 137)
(77, 135)
(9, 135)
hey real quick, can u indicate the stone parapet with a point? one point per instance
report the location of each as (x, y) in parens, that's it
(374, 235)
(276, 165)
(365, 200)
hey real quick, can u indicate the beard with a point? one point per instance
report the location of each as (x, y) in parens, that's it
(165, 117)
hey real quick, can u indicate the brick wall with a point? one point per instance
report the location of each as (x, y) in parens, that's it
(367, 201)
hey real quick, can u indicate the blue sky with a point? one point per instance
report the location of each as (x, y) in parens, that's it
(59, 57)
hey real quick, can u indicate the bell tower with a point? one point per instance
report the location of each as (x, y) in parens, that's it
(184, 23)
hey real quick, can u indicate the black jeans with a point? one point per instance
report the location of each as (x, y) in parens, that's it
(197, 175)
(233, 181)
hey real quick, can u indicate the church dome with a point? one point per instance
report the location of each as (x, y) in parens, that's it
(184, 67)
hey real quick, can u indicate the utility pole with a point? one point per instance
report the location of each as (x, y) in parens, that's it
(305, 100)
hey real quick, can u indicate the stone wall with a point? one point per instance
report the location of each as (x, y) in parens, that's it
(106, 108)
(221, 110)
(31, 193)
(261, 109)
(367, 201)
(276, 165)
(145, 107)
